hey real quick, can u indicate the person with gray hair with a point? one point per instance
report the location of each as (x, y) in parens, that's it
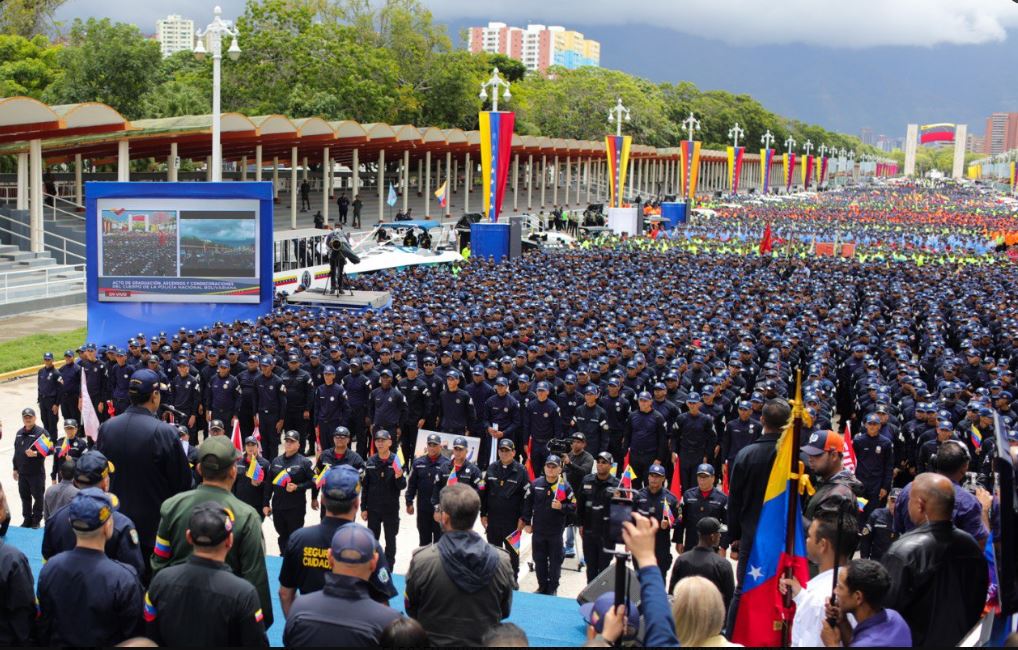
(461, 586)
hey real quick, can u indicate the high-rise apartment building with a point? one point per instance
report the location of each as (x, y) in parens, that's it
(1001, 133)
(537, 46)
(174, 34)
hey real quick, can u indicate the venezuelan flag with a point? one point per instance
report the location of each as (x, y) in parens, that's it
(320, 477)
(735, 167)
(453, 477)
(282, 479)
(627, 477)
(514, 538)
(615, 469)
(255, 471)
(761, 611)
(560, 491)
(496, 149)
(975, 437)
(65, 447)
(861, 503)
(617, 148)
(668, 514)
(43, 445)
(689, 153)
(258, 616)
(150, 609)
(397, 461)
(162, 548)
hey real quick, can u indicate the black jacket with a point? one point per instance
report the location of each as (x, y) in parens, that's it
(938, 582)
(704, 562)
(750, 473)
(341, 615)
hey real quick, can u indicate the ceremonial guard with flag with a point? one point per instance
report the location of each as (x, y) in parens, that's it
(383, 481)
(660, 505)
(506, 488)
(31, 447)
(546, 512)
(251, 486)
(291, 475)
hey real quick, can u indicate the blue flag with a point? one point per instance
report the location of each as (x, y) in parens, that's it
(392, 196)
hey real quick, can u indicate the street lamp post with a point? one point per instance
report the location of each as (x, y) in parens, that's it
(691, 124)
(807, 146)
(735, 133)
(215, 32)
(494, 83)
(766, 139)
(616, 114)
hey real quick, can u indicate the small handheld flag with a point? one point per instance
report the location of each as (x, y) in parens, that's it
(453, 477)
(254, 470)
(668, 514)
(43, 445)
(442, 195)
(514, 538)
(615, 469)
(976, 437)
(560, 491)
(320, 477)
(397, 462)
(235, 437)
(861, 503)
(675, 485)
(530, 464)
(282, 479)
(627, 477)
(64, 448)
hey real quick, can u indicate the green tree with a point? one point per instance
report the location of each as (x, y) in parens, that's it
(512, 70)
(106, 62)
(27, 18)
(27, 66)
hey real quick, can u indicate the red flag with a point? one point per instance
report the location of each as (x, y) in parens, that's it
(724, 478)
(848, 452)
(530, 464)
(238, 441)
(675, 485)
(767, 243)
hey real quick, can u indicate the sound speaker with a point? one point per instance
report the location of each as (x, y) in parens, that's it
(605, 581)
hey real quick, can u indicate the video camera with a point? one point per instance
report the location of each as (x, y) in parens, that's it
(559, 446)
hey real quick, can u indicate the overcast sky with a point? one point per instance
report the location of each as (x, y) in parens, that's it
(845, 65)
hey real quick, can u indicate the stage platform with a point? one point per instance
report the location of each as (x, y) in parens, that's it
(348, 300)
(548, 621)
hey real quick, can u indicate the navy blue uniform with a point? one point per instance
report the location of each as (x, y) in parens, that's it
(87, 599)
(31, 473)
(256, 496)
(331, 410)
(76, 446)
(17, 605)
(118, 378)
(288, 508)
(456, 412)
(96, 382)
(593, 503)
(300, 399)
(58, 536)
(467, 473)
(313, 620)
(424, 475)
(877, 534)
(418, 401)
(49, 382)
(185, 396)
(502, 413)
(738, 434)
(506, 487)
(694, 442)
(380, 499)
(592, 422)
(616, 410)
(548, 524)
(652, 505)
(386, 409)
(70, 391)
(645, 439)
(874, 464)
(541, 422)
(224, 398)
(270, 407)
(246, 412)
(695, 506)
(358, 388)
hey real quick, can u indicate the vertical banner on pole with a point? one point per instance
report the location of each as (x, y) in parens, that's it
(496, 152)
(690, 154)
(617, 147)
(822, 174)
(735, 167)
(766, 158)
(807, 171)
(1012, 179)
(788, 168)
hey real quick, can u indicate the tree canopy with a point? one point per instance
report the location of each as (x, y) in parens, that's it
(365, 61)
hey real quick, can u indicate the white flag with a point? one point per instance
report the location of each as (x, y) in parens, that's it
(89, 419)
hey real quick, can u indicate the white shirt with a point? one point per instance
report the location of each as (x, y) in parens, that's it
(809, 611)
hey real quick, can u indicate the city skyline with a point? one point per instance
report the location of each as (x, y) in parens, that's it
(872, 71)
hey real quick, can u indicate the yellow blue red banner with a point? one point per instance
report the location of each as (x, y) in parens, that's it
(735, 167)
(690, 158)
(496, 151)
(766, 159)
(617, 147)
(788, 168)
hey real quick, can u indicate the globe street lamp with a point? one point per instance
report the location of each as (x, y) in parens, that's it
(215, 32)
(494, 83)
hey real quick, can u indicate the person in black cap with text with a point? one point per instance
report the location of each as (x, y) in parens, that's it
(31, 446)
(593, 503)
(300, 402)
(93, 470)
(201, 602)
(306, 558)
(546, 512)
(75, 446)
(383, 481)
(85, 598)
(269, 406)
(423, 482)
(703, 560)
(506, 487)
(291, 475)
(150, 461)
(660, 506)
(49, 383)
(343, 613)
(253, 485)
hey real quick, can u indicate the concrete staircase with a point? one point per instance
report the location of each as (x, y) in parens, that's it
(32, 281)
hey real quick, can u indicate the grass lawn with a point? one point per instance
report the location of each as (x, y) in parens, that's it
(27, 351)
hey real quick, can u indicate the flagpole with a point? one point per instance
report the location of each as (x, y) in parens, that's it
(793, 510)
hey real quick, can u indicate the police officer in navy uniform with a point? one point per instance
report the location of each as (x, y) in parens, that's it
(76, 446)
(339, 453)
(546, 513)
(118, 377)
(591, 420)
(305, 559)
(655, 502)
(246, 411)
(694, 439)
(291, 475)
(299, 401)
(874, 464)
(85, 598)
(49, 383)
(422, 484)
(224, 396)
(383, 481)
(501, 419)
(185, 396)
(593, 503)
(30, 468)
(739, 432)
(877, 534)
(616, 408)
(256, 494)
(387, 407)
(95, 380)
(456, 413)
(358, 388)
(703, 500)
(541, 422)
(506, 487)
(419, 404)
(332, 409)
(270, 406)
(92, 470)
(465, 472)
(645, 439)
